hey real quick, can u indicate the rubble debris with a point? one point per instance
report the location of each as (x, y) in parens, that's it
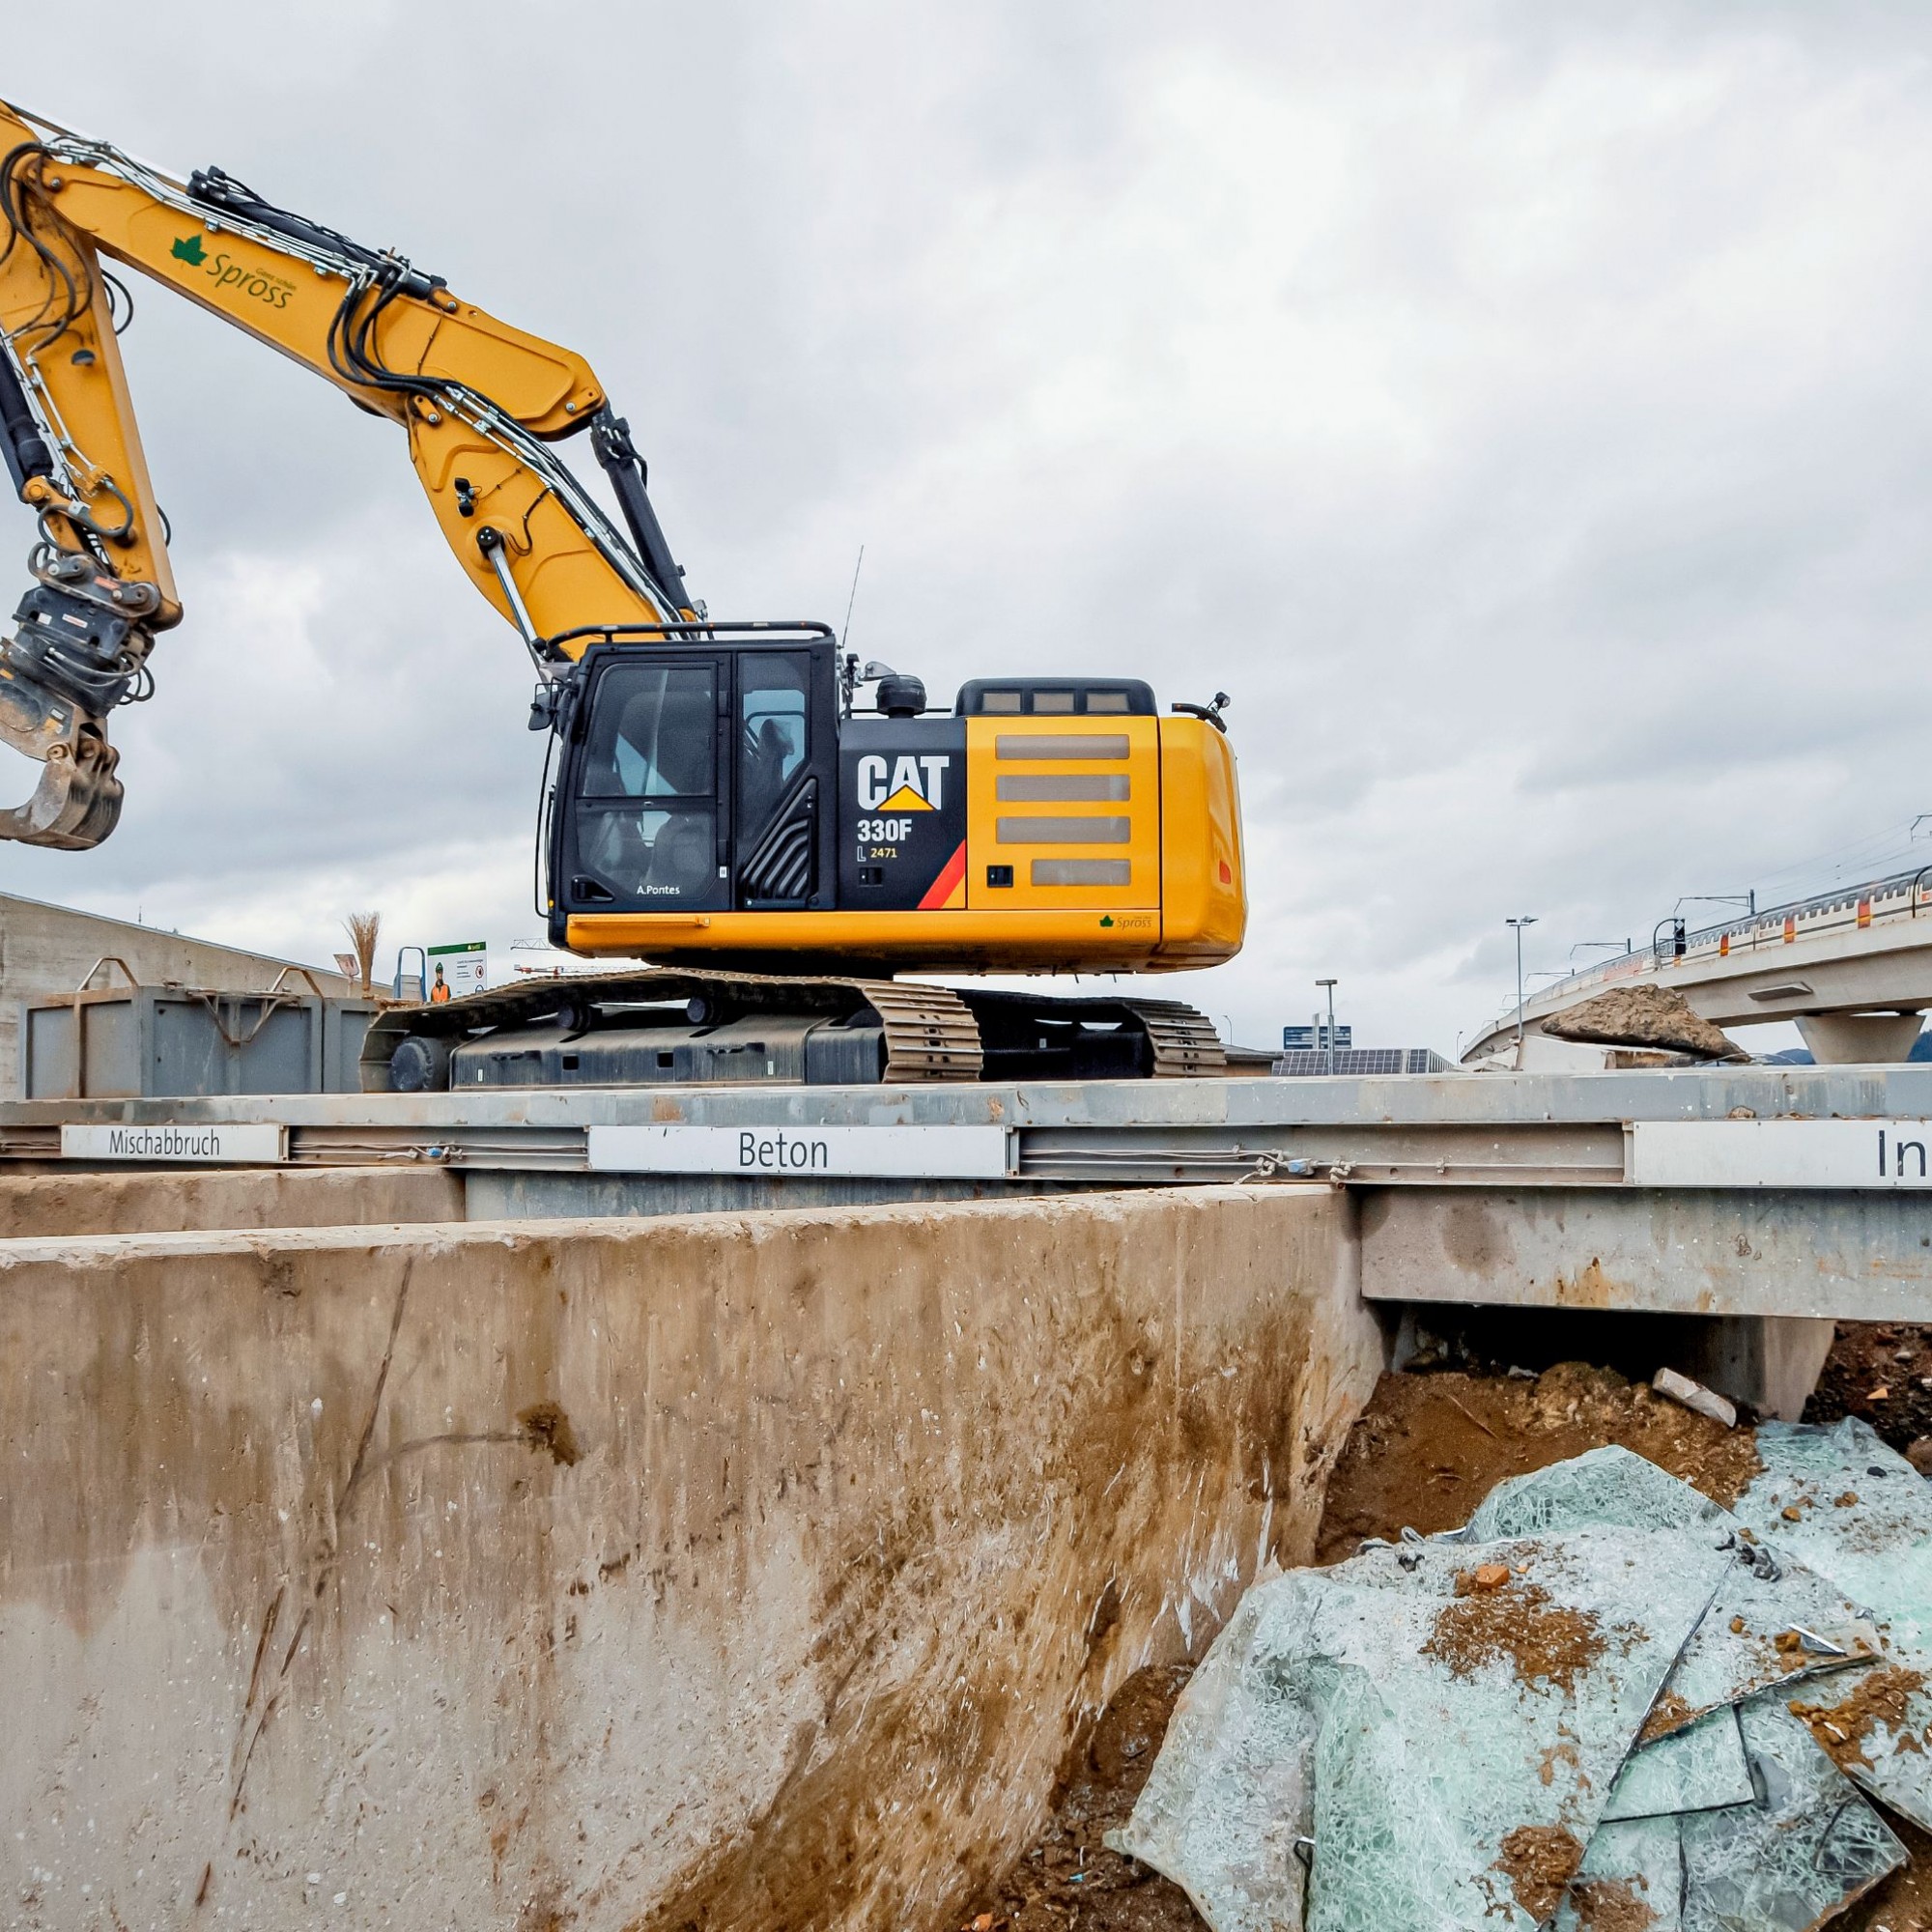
(1069, 1875)
(1695, 1395)
(1643, 1015)
(1450, 1753)
(1417, 1457)
(1407, 1739)
(1866, 1358)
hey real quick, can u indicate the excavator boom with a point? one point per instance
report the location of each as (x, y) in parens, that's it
(480, 401)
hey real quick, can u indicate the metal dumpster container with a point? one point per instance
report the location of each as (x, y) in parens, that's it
(130, 1041)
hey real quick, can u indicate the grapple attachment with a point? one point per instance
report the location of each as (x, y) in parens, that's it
(77, 650)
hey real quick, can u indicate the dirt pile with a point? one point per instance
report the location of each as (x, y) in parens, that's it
(1881, 1371)
(1646, 1017)
(1429, 1448)
(1069, 1879)
(1643, 1015)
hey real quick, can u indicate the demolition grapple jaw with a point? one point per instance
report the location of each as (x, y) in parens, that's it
(78, 649)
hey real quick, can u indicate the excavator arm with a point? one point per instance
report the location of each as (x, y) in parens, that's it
(480, 401)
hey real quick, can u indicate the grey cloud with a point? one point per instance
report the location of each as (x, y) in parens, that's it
(1515, 408)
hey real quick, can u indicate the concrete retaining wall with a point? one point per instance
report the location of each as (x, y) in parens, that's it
(172, 1199)
(734, 1572)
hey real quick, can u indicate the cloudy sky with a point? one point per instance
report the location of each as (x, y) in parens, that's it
(1521, 409)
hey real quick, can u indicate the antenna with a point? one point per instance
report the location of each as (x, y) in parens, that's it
(846, 633)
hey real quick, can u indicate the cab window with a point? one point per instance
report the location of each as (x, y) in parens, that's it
(771, 730)
(651, 733)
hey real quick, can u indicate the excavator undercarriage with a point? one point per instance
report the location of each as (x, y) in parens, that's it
(653, 1028)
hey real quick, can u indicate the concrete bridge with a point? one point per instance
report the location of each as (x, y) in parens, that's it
(1853, 967)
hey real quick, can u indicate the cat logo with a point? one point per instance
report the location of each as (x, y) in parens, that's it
(912, 784)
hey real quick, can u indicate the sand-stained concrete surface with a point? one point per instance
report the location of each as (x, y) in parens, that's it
(168, 1202)
(727, 1571)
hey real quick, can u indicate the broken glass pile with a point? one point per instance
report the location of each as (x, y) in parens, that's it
(1604, 1701)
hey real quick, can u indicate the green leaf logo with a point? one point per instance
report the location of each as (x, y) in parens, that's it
(1106, 919)
(189, 249)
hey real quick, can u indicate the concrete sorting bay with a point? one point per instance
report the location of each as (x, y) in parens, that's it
(428, 1527)
(746, 1571)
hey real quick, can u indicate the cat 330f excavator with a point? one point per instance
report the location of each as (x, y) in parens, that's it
(715, 801)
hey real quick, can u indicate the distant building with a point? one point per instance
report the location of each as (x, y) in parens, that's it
(1315, 1036)
(48, 949)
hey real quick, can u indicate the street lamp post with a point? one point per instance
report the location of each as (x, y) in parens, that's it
(1527, 919)
(1331, 985)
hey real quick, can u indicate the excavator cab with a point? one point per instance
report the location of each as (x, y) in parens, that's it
(719, 800)
(694, 779)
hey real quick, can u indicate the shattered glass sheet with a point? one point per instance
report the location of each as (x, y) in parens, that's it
(1701, 1767)
(1239, 1794)
(1846, 1505)
(1754, 1636)
(1809, 1848)
(1631, 1869)
(1477, 1702)
(1861, 1513)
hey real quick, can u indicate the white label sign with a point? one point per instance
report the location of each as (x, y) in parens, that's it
(1781, 1154)
(229, 1145)
(793, 1154)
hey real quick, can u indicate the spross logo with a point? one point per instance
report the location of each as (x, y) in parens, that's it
(263, 285)
(902, 785)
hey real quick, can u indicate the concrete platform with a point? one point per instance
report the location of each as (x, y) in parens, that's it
(1452, 1129)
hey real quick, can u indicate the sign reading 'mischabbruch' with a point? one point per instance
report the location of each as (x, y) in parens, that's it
(228, 1144)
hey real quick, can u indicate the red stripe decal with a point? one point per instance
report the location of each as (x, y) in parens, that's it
(942, 888)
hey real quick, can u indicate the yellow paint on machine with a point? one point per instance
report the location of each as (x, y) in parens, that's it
(1182, 906)
(1121, 837)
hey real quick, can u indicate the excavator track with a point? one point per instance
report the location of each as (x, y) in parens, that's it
(1185, 1045)
(928, 1033)
(931, 1031)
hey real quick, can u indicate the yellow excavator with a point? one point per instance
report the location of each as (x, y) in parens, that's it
(716, 800)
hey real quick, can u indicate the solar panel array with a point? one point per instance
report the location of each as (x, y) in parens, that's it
(1364, 1059)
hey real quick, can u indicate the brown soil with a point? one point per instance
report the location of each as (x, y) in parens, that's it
(1670, 1712)
(1875, 1697)
(1881, 1371)
(1070, 1882)
(1645, 1015)
(1484, 1623)
(1539, 1860)
(1429, 1448)
(1610, 1905)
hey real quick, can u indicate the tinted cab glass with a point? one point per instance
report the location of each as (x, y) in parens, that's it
(644, 832)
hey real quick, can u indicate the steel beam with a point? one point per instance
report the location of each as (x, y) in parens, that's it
(1760, 1252)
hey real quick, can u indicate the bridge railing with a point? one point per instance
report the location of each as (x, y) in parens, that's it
(1897, 896)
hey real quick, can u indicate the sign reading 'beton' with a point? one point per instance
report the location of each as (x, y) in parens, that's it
(796, 1154)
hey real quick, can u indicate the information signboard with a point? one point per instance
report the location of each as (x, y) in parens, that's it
(791, 1154)
(229, 1143)
(464, 967)
(1781, 1154)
